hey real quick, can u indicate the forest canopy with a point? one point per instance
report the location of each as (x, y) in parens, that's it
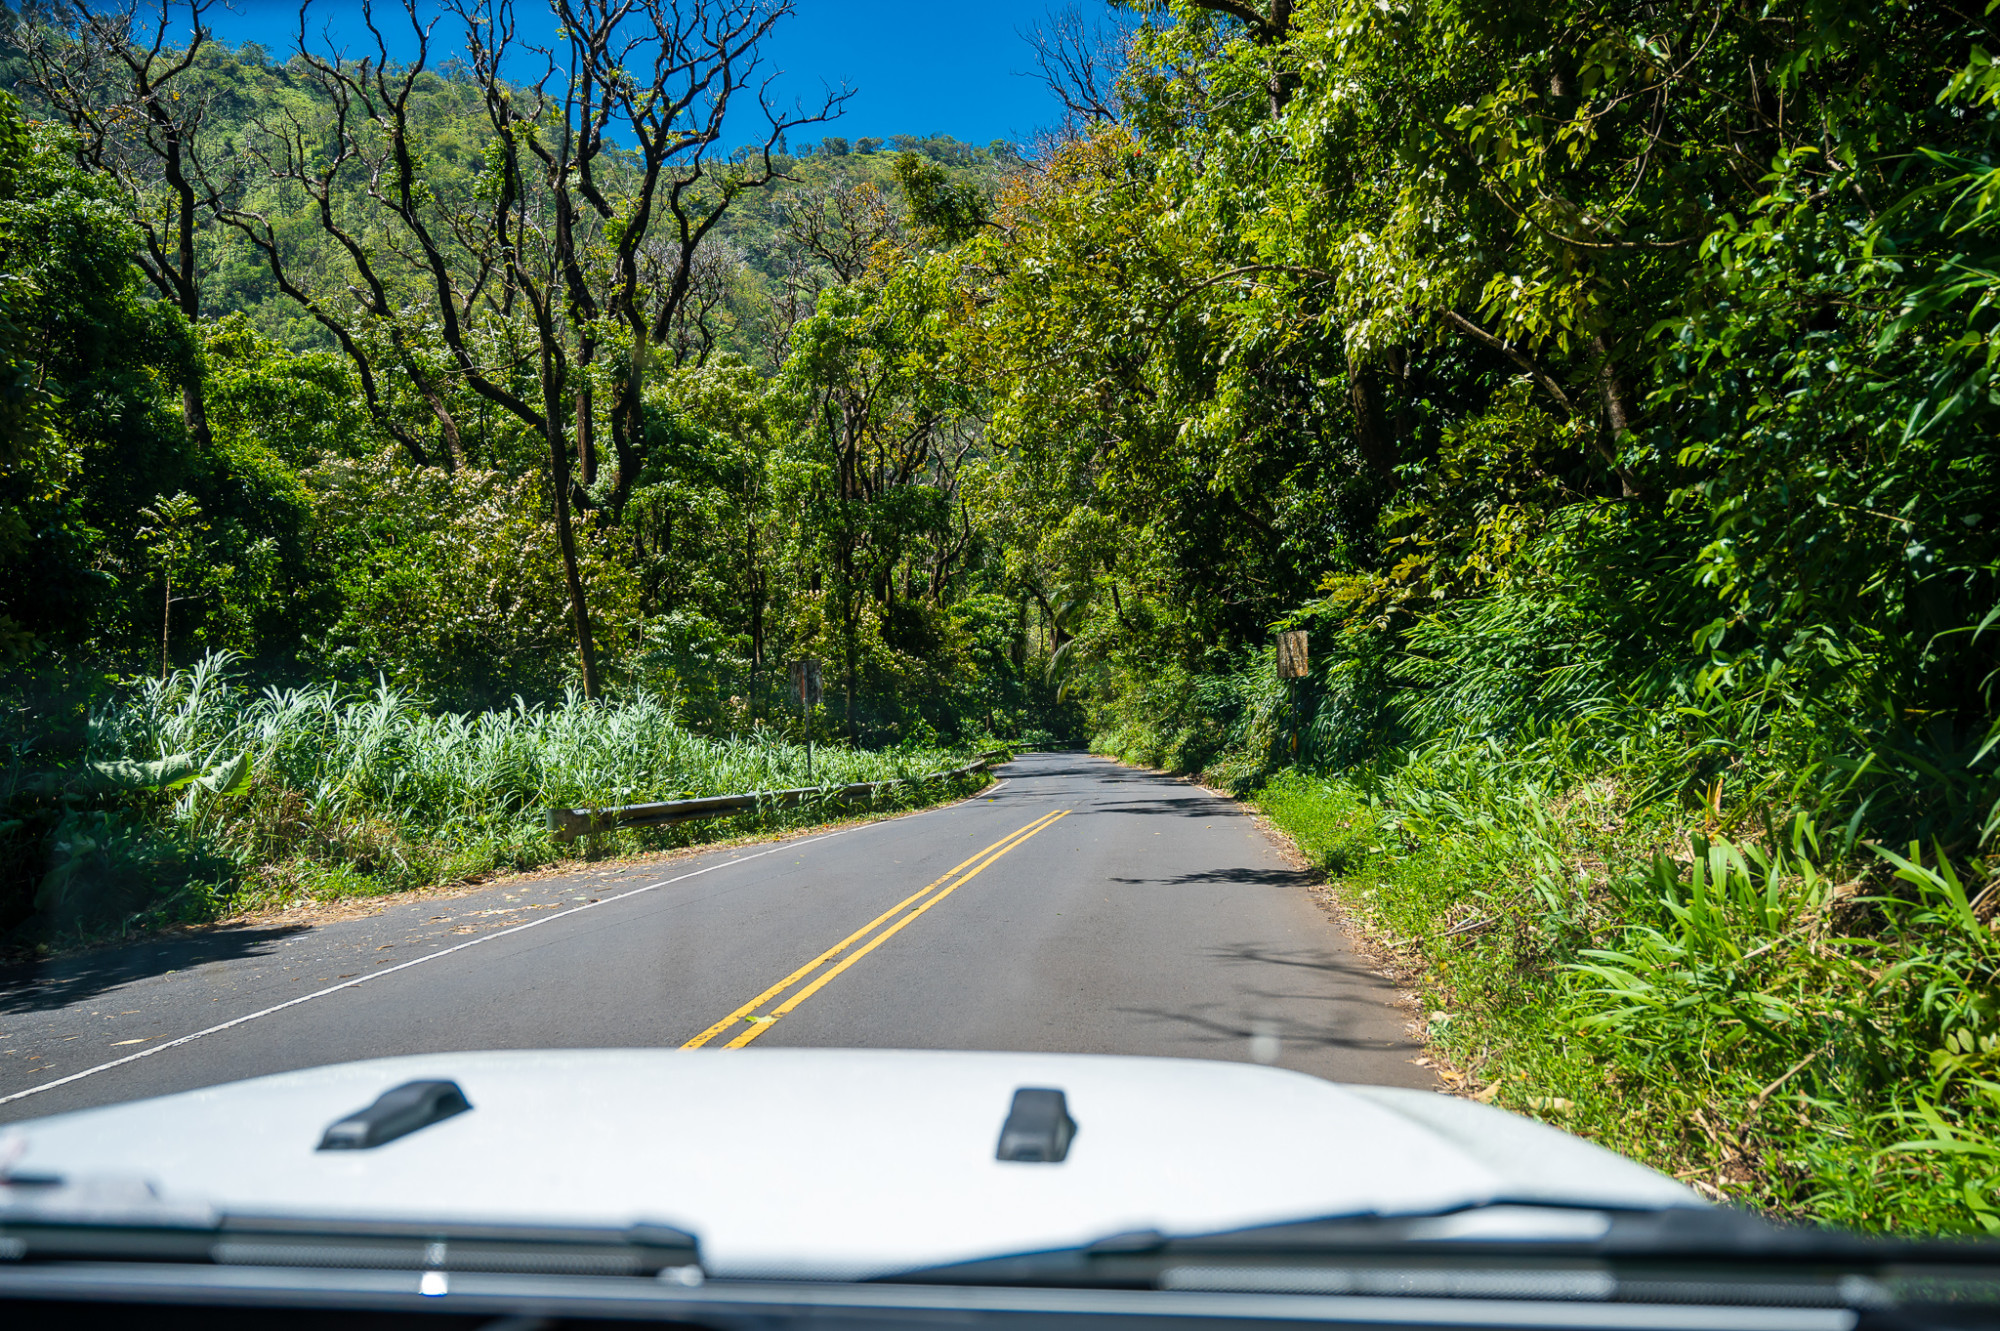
(1607, 391)
(1531, 358)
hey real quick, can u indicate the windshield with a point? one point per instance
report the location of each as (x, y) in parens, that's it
(1101, 646)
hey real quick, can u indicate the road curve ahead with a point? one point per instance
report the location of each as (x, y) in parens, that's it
(1076, 906)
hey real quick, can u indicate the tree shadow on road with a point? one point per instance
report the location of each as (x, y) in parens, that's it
(1075, 765)
(1314, 999)
(1233, 1031)
(1288, 878)
(1332, 963)
(1184, 806)
(39, 986)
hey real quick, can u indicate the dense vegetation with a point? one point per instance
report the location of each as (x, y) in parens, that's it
(1606, 389)
(329, 794)
(245, 450)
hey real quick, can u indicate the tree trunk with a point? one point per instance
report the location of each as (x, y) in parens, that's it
(853, 633)
(187, 288)
(1617, 415)
(1378, 445)
(559, 477)
(1282, 85)
(194, 411)
(586, 653)
(755, 582)
(454, 444)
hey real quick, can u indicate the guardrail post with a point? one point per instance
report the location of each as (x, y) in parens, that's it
(591, 824)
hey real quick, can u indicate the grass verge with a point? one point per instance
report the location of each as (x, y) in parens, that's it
(195, 798)
(1798, 1026)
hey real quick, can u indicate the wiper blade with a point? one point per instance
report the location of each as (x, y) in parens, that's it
(1681, 1254)
(126, 1220)
(635, 1250)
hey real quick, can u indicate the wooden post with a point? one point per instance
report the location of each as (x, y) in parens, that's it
(1292, 669)
(806, 683)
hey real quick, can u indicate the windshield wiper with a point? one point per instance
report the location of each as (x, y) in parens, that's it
(1507, 1251)
(121, 1219)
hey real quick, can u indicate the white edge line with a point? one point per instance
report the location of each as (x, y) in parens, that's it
(433, 956)
(460, 947)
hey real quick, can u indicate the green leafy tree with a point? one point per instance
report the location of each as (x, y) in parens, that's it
(176, 546)
(137, 114)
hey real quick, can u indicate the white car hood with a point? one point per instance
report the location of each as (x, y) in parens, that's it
(839, 1163)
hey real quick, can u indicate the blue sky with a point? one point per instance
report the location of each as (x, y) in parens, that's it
(919, 68)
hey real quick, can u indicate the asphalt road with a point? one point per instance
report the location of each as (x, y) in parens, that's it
(1076, 906)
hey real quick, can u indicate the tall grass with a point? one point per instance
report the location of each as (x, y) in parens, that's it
(364, 793)
(1730, 913)
(1773, 1011)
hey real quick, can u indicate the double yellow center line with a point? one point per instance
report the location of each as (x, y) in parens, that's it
(815, 974)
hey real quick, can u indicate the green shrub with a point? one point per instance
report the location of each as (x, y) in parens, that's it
(1782, 1017)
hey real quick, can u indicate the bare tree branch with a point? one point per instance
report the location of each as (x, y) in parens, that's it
(138, 121)
(1080, 61)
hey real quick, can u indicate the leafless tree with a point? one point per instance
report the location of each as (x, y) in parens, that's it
(696, 326)
(1080, 60)
(571, 262)
(837, 228)
(828, 234)
(122, 83)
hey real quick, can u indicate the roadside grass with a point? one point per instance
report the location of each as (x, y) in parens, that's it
(1779, 1019)
(326, 795)
(1732, 916)
(580, 864)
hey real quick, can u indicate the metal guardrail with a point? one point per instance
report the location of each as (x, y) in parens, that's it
(569, 824)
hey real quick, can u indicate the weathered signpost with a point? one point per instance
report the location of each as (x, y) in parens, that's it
(1292, 654)
(806, 684)
(1292, 666)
